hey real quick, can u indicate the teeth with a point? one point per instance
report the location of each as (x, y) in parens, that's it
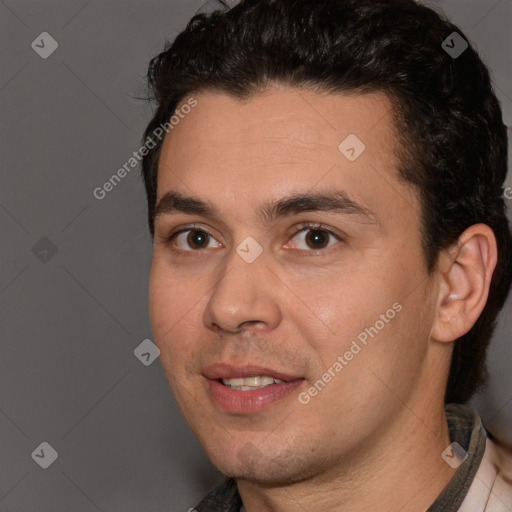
(248, 383)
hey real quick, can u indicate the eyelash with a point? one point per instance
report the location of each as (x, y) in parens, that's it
(307, 226)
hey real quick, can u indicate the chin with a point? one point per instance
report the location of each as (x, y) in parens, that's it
(253, 465)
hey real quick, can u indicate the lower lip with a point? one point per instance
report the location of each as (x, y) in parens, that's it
(234, 400)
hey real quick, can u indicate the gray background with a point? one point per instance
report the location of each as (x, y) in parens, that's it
(70, 321)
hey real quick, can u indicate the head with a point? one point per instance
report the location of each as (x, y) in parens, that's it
(400, 256)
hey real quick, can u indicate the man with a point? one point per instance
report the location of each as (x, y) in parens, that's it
(330, 253)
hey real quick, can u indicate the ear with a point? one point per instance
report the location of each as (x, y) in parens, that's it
(465, 272)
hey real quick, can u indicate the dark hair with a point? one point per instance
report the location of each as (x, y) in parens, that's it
(454, 149)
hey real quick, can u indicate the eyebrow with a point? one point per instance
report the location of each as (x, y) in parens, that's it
(333, 201)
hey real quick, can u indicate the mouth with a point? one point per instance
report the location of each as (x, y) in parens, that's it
(248, 389)
(250, 383)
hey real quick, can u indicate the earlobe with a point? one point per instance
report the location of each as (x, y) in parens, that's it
(465, 272)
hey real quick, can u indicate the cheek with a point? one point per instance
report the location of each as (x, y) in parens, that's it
(341, 305)
(171, 309)
(173, 326)
(361, 314)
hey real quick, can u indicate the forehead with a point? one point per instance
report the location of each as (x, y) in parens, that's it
(285, 116)
(280, 140)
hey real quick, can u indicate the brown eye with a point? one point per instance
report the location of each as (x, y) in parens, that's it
(317, 238)
(314, 238)
(198, 239)
(190, 240)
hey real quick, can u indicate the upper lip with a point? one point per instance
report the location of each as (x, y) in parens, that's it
(228, 371)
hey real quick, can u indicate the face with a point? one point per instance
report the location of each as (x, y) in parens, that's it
(279, 253)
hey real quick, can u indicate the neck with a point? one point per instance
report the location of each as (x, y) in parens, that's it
(402, 470)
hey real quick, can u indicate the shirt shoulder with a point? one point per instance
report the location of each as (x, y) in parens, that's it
(491, 489)
(223, 498)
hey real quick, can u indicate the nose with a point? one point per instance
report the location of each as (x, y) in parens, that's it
(245, 295)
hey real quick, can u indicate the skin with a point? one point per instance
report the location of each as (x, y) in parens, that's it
(372, 438)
